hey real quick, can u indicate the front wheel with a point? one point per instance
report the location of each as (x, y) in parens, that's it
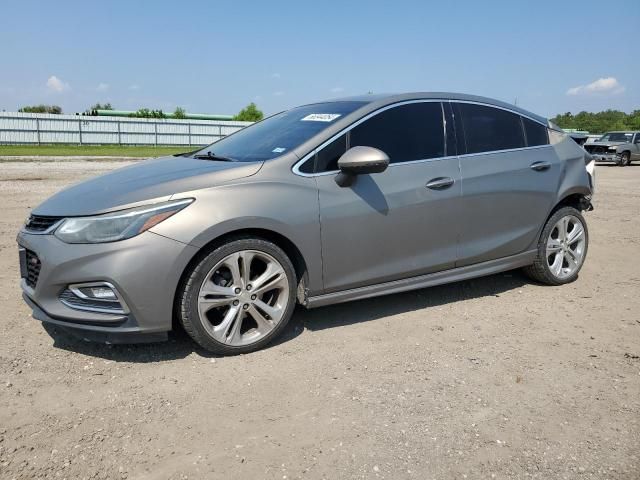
(238, 297)
(562, 248)
(624, 159)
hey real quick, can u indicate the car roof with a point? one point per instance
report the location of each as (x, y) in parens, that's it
(380, 100)
(371, 103)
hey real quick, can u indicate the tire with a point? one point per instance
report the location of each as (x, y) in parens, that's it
(554, 252)
(229, 310)
(625, 159)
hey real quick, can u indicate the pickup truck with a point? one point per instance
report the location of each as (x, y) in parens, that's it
(618, 147)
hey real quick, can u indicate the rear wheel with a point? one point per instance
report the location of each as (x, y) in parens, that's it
(562, 248)
(239, 297)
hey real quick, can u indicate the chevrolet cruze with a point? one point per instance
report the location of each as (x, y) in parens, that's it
(320, 204)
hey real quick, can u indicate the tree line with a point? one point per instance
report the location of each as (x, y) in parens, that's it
(250, 113)
(600, 122)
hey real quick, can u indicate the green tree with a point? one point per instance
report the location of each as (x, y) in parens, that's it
(41, 109)
(146, 113)
(250, 113)
(179, 112)
(599, 122)
(141, 113)
(98, 106)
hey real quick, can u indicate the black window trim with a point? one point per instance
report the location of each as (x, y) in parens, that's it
(311, 155)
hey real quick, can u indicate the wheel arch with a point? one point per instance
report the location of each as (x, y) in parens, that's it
(578, 198)
(288, 246)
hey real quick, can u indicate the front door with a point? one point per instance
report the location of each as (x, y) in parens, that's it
(635, 147)
(401, 222)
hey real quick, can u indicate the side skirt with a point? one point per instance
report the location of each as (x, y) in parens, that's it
(424, 281)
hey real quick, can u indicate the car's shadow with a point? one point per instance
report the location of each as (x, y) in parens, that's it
(180, 345)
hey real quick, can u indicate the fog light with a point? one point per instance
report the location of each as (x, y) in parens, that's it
(104, 293)
(94, 297)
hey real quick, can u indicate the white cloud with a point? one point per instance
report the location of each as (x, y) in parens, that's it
(56, 85)
(278, 94)
(134, 87)
(602, 85)
(337, 90)
(102, 87)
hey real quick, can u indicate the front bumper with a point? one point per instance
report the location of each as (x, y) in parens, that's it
(606, 157)
(145, 269)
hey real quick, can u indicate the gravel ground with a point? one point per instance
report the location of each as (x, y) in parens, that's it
(491, 378)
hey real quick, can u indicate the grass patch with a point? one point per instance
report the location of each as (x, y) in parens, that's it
(91, 150)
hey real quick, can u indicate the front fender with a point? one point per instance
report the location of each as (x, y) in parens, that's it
(288, 209)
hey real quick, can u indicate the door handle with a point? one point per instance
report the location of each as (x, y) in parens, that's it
(540, 166)
(440, 183)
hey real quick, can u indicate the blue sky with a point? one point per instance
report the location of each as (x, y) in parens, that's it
(215, 57)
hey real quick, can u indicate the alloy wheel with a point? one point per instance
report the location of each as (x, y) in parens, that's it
(243, 297)
(566, 247)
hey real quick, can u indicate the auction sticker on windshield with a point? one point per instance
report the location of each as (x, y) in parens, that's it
(321, 117)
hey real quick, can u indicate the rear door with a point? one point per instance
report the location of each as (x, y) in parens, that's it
(390, 225)
(510, 175)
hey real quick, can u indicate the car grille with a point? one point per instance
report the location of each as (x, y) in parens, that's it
(72, 300)
(33, 269)
(39, 223)
(596, 149)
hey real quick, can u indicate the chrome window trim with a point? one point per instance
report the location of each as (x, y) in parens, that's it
(493, 152)
(296, 166)
(483, 104)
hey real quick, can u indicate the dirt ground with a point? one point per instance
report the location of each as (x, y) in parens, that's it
(492, 378)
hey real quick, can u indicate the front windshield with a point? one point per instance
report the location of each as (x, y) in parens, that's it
(280, 133)
(616, 137)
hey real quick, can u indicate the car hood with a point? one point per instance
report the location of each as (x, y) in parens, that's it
(606, 144)
(149, 181)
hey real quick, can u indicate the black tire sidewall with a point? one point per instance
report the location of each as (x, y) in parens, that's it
(625, 159)
(542, 244)
(188, 311)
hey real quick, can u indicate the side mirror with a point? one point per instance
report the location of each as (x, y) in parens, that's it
(360, 161)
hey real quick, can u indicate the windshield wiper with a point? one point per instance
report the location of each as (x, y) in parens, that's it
(213, 156)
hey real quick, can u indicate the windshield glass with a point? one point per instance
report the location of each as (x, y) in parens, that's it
(280, 133)
(616, 137)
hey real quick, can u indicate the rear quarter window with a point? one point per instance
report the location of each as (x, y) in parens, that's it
(536, 134)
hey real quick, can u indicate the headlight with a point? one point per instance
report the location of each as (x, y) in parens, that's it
(112, 227)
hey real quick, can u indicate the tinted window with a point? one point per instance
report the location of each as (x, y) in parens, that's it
(327, 158)
(616, 137)
(536, 134)
(487, 129)
(404, 133)
(281, 133)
